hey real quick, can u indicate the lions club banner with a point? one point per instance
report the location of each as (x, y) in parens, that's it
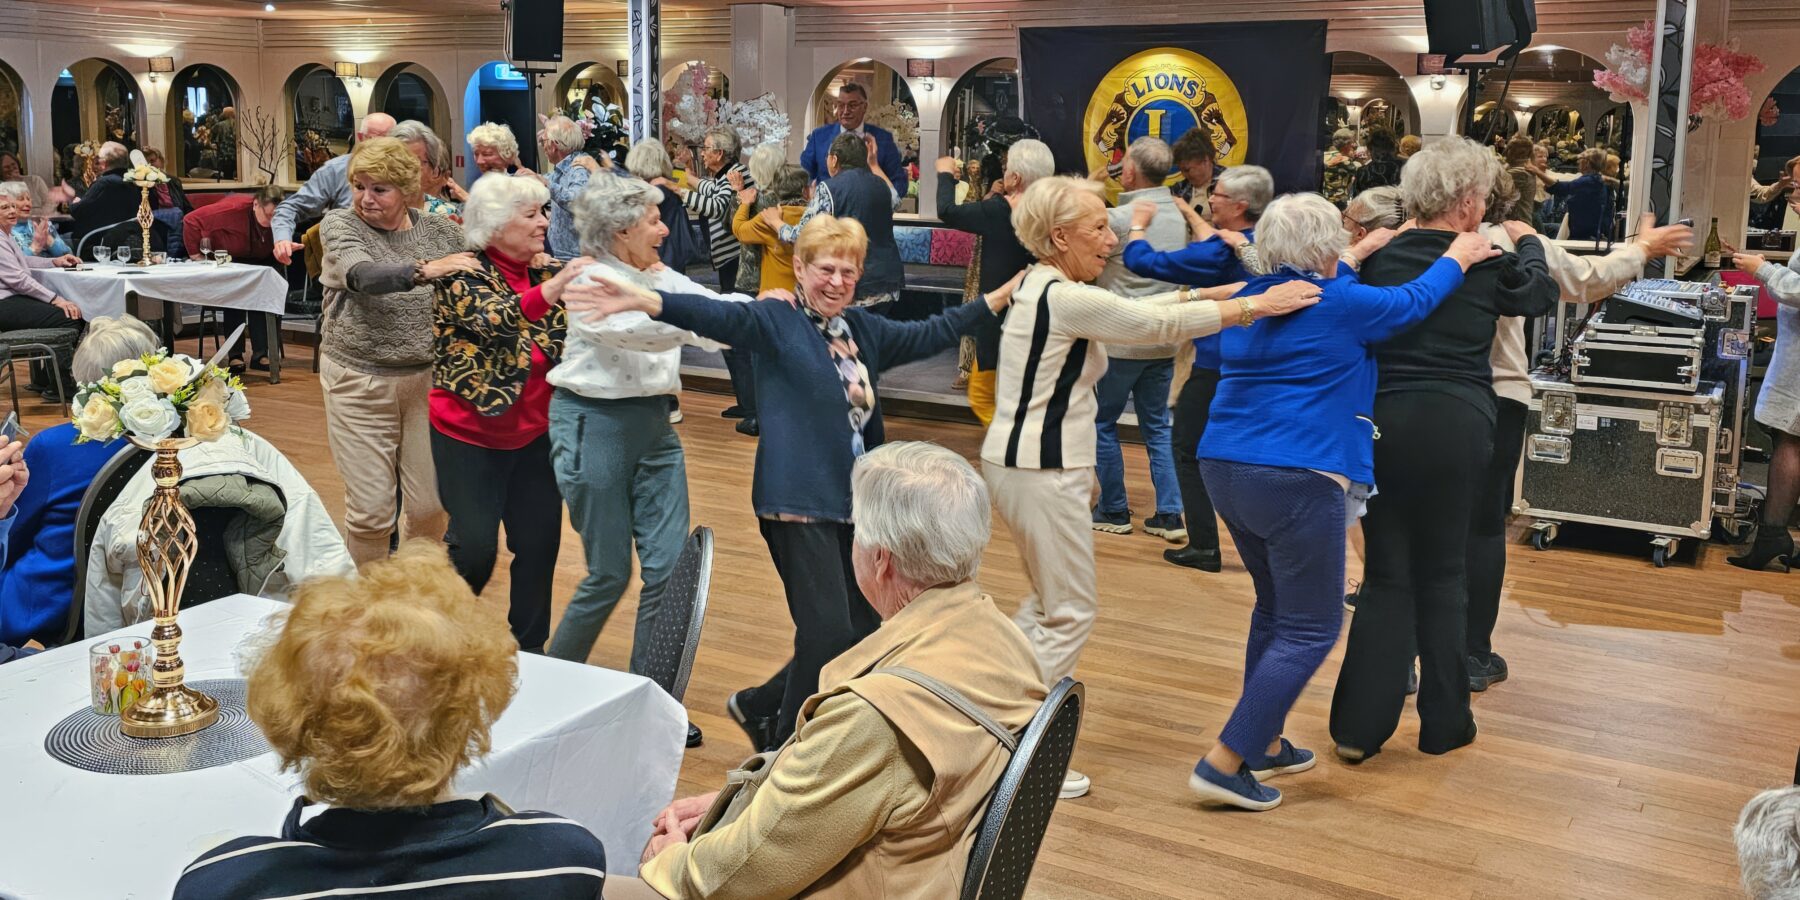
(1255, 88)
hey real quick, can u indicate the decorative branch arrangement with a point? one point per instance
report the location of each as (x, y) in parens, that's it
(261, 135)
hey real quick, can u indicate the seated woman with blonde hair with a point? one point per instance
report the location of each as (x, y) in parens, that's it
(351, 696)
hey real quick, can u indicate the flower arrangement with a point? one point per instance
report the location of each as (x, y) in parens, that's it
(1716, 86)
(901, 120)
(757, 121)
(160, 395)
(145, 174)
(689, 109)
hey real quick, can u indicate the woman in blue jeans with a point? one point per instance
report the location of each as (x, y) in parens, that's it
(1288, 457)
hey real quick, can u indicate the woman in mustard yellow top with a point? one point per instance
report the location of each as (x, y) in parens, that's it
(787, 193)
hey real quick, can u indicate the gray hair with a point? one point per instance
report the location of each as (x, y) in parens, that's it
(492, 134)
(649, 159)
(1031, 160)
(564, 134)
(1253, 185)
(15, 190)
(1381, 207)
(111, 152)
(1768, 844)
(726, 140)
(1151, 157)
(609, 206)
(788, 185)
(925, 506)
(111, 339)
(1440, 175)
(494, 200)
(1304, 231)
(1047, 205)
(413, 131)
(1342, 136)
(764, 161)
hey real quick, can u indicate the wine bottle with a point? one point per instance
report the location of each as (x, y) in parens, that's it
(1713, 247)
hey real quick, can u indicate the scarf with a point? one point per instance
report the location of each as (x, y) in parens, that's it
(847, 360)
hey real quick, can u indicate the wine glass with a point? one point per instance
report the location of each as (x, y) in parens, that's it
(123, 254)
(206, 248)
(102, 254)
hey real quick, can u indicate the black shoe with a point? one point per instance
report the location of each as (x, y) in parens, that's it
(1166, 526)
(1111, 522)
(1482, 676)
(1773, 545)
(1195, 558)
(749, 427)
(1412, 681)
(52, 395)
(759, 729)
(733, 411)
(1351, 597)
(694, 736)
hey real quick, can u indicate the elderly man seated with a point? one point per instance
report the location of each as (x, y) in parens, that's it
(352, 696)
(878, 792)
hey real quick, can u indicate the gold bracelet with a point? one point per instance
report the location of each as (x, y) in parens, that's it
(1247, 316)
(1183, 295)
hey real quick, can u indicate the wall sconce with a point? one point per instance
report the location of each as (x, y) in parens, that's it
(159, 66)
(1437, 82)
(623, 67)
(924, 69)
(348, 71)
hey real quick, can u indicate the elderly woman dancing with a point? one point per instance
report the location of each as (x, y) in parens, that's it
(1288, 459)
(381, 257)
(500, 329)
(570, 168)
(818, 366)
(1435, 411)
(1039, 453)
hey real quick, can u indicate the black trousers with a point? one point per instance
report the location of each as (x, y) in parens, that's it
(830, 613)
(1191, 409)
(19, 312)
(482, 489)
(258, 330)
(1487, 530)
(737, 362)
(1432, 453)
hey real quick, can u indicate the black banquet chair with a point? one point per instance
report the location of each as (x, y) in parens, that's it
(676, 637)
(1013, 827)
(101, 492)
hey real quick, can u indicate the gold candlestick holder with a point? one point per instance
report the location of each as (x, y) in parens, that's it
(144, 220)
(166, 545)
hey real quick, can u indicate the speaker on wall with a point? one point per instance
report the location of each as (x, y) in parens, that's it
(1478, 27)
(534, 30)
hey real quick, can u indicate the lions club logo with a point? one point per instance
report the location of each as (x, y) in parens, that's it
(1163, 93)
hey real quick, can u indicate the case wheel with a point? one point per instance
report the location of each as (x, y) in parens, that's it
(1663, 548)
(1543, 534)
(1660, 557)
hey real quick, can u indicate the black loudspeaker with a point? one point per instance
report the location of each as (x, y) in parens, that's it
(534, 30)
(1477, 27)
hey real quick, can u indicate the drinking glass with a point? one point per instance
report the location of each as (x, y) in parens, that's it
(102, 254)
(221, 257)
(159, 257)
(119, 673)
(206, 248)
(123, 254)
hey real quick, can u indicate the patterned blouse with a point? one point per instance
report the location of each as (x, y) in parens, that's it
(484, 340)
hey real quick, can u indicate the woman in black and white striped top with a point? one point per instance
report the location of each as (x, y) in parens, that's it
(1039, 452)
(351, 695)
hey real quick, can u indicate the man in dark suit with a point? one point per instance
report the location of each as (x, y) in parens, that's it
(852, 106)
(109, 200)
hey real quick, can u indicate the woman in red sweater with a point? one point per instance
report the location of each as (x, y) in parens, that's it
(499, 331)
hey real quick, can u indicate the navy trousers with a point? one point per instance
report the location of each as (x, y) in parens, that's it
(1288, 525)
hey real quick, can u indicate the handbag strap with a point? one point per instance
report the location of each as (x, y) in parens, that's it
(955, 698)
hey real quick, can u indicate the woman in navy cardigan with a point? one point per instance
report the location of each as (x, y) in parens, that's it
(818, 363)
(1287, 456)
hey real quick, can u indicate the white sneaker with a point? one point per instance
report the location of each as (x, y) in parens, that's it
(1074, 785)
(675, 416)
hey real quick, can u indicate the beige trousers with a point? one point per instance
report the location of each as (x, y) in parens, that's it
(380, 432)
(1050, 514)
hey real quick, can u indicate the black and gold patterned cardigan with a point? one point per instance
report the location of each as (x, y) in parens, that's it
(483, 339)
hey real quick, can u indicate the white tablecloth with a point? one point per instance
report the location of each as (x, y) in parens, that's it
(100, 289)
(599, 746)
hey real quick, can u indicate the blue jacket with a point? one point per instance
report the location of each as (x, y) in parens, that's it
(803, 459)
(1207, 263)
(887, 153)
(1589, 204)
(38, 583)
(8, 653)
(1298, 391)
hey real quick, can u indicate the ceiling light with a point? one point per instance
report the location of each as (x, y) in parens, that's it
(268, 7)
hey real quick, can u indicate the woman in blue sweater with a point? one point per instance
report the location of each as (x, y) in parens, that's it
(818, 364)
(1287, 455)
(38, 581)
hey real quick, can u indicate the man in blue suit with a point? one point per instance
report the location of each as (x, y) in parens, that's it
(852, 105)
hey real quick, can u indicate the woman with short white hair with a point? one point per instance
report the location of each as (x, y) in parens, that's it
(648, 160)
(1768, 844)
(496, 150)
(33, 233)
(1436, 412)
(499, 330)
(563, 140)
(1287, 460)
(1040, 450)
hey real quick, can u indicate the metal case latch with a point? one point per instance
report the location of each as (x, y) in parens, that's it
(1678, 463)
(1558, 416)
(1673, 425)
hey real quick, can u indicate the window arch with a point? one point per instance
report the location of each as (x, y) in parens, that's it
(409, 91)
(891, 103)
(323, 120)
(12, 123)
(94, 100)
(203, 121)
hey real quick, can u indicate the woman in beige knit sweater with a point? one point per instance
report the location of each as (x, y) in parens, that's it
(381, 257)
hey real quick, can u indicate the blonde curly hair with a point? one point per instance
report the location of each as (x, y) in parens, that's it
(386, 160)
(497, 136)
(382, 685)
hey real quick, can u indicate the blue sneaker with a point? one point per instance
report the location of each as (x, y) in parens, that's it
(1291, 759)
(1112, 523)
(1240, 790)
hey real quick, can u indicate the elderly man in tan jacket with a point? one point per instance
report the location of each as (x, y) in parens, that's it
(881, 789)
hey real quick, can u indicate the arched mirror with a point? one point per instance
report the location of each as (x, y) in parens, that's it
(594, 89)
(1555, 123)
(884, 100)
(1777, 164)
(12, 123)
(1366, 92)
(986, 93)
(94, 101)
(204, 125)
(407, 91)
(500, 94)
(324, 121)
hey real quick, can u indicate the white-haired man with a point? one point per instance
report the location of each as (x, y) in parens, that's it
(109, 200)
(326, 190)
(875, 794)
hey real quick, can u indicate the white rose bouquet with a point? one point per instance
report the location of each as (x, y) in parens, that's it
(142, 173)
(160, 395)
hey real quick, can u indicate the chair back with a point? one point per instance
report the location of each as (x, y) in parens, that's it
(676, 636)
(1013, 827)
(108, 483)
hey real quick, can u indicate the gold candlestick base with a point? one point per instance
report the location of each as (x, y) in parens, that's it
(170, 713)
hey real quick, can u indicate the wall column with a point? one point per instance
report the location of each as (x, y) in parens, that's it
(645, 82)
(762, 40)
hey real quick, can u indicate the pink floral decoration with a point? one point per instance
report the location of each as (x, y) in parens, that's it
(1717, 85)
(1769, 114)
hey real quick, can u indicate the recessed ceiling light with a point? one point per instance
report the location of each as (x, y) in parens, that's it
(268, 7)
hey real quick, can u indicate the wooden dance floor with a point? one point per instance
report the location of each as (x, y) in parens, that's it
(1645, 707)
